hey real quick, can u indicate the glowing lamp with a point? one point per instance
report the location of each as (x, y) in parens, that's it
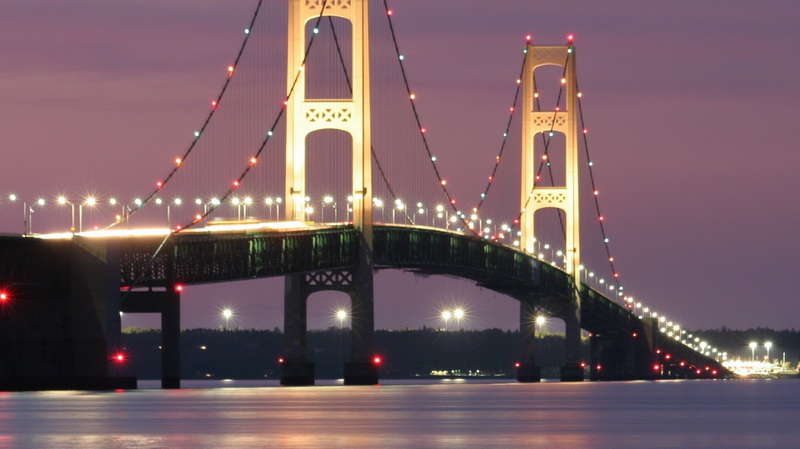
(179, 288)
(3, 296)
(376, 360)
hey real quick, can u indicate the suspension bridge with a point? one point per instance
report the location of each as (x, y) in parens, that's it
(316, 166)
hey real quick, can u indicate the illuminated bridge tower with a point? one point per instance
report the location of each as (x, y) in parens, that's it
(564, 197)
(303, 117)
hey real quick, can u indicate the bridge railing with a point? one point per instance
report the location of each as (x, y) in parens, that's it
(204, 258)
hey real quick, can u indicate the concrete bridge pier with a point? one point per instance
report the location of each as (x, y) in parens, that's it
(356, 282)
(295, 368)
(362, 369)
(527, 370)
(572, 371)
(613, 356)
(171, 339)
(167, 303)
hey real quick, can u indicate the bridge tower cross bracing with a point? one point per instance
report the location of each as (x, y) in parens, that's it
(303, 117)
(565, 198)
(307, 115)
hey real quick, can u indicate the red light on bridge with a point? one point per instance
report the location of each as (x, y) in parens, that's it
(4, 296)
(656, 367)
(599, 367)
(682, 364)
(517, 365)
(635, 334)
(699, 371)
(583, 364)
(658, 351)
(118, 357)
(714, 372)
(667, 356)
(376, 360)
(570, 38)
(281, 360)
(178, 288)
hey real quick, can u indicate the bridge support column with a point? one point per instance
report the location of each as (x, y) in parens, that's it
(613, 357)
(363, 366)
(572, 371)
(171, 340)
(295, 368)
(167, 303)
(527, 370)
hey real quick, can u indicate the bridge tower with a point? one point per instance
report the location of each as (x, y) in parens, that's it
(563, 197)
(303, 117)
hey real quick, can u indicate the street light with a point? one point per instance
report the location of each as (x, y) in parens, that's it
(90, 202)
(768, 345)
(378, 203)
(753, 345)
(458, 314)
(446, 315)
(227, 314)
(540, 321)
(341, 314)
(62, 200)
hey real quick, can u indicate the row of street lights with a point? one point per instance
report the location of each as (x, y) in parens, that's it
(753, 345)
(243, 203)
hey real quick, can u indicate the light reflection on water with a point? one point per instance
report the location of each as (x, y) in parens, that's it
(396, 414)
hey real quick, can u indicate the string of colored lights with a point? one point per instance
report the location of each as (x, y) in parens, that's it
(237, 182)
(197, 134)
(372, 149)
(422, 130)
(254, 159)
(595, 192)
(511, 115)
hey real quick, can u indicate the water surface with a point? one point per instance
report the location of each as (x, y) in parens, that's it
(437, 414)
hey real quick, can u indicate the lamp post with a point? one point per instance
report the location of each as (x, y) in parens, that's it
(227, 314)
(446, 315)
(458, 314)
(341, 315)
(90, 202)
(398, 205)
(378, 203)
(540, 321)
(327, 200)
(768, 345)
(62, 200)
(753, 345)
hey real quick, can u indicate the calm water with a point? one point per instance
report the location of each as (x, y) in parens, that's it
(442, 414)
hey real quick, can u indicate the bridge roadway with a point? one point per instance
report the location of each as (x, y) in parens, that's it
(622, 345)
(207, 256)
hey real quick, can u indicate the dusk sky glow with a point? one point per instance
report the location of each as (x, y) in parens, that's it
(689, 106)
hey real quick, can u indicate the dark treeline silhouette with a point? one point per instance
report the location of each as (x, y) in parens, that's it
(251, 354)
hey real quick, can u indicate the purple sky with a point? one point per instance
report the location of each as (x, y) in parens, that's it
(689, 106)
